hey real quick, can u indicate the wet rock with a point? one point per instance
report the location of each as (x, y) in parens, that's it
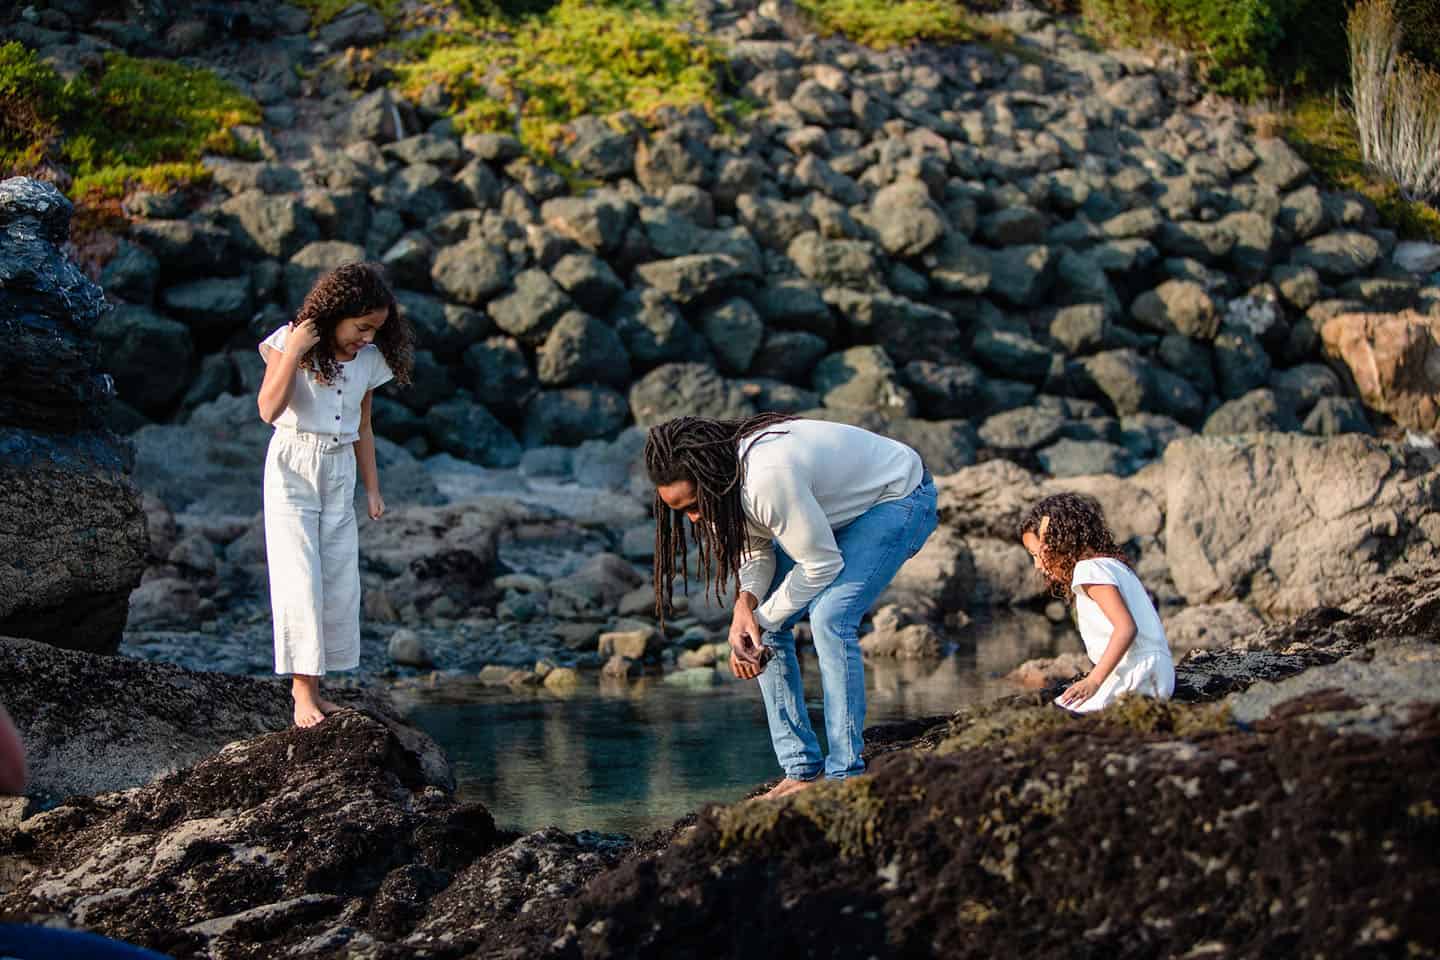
(1210, 626)
(71, 521)
(407, 649)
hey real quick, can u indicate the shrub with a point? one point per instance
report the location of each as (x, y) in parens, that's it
(537, 74)
(140, 122)
(889, 23)
(1396, 101)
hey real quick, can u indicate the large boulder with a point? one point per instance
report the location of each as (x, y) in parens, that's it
(72, 531)
(1288, 522)
(92, 724)
(1394, 362)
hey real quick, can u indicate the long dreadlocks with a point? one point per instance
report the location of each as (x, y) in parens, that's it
(707, 453)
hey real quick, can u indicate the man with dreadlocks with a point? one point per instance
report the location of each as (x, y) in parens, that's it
(801, 516)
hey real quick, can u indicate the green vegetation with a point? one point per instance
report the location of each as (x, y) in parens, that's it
(536, 74)
(1323, 132)
(323, 11)
(144, 122)
(890, 23)
(1254, 48)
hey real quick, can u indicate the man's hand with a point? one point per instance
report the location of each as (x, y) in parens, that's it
(745, 639)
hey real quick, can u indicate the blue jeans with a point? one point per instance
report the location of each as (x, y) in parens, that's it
(874, 546)
(41, 943)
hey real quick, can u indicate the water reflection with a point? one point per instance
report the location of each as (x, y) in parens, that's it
(634, 757)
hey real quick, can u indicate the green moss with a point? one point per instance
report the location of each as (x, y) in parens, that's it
(323, 11)
(1323, 132)
(845, 811)
(535, 75)
(890, 23)
(142, 122)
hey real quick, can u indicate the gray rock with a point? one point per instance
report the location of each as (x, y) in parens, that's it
(501, 376)
(1303, 214)
(1025, 428)
(581, 349)
(407, 263)
(588, 279)
(1332, 416)
(1023, 275)
(788, 355)
(186, 247)
(1300, 286)
(1178, 306)
(907, 329)
(1080, 329)
(419, 192)
(1011, 353)
(440, 326)
(600, 150)
(1208, 242)
(1280, 166)
(794, 304)
(1142, 222)
(471, 272)
(834, 263)
(597, 221)
(862, 379)
(735, 332)
(131, 274)
(1305, 385)
(574, 415)
(471, 432)
(277, 226)
(1255, 243)
(376, 117)
(532, 308)
(212, 308)
(960, 268)
(907, 221)
(1241, 363)
(773, 222)
(478, 185)
(406, 649)
(685, 279)
(1287, 522)
(654, 331)
(670, 158)
(1140, 97)
(1345, 253)
(818, 104)
(148, 355)
(774, 396)
(1013, 226)
(686, 388)
(946, 391)
(1259, 411)
(1077, 458)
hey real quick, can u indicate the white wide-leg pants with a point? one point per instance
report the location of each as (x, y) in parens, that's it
(313, 552)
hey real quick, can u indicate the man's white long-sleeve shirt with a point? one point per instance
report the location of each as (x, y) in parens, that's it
(803, 484)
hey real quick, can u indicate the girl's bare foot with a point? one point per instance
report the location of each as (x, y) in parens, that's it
(309, 708)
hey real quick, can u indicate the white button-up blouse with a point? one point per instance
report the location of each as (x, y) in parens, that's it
(330, 409)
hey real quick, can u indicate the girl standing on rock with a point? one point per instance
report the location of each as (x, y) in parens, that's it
(320, 373)
(1074, 549)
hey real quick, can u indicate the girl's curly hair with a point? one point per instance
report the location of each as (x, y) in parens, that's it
(353, 290)
(1070, 527)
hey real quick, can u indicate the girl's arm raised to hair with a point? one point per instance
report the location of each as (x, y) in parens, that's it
(279, 382)
(1107, 597)
(365, 460)
(12, 757)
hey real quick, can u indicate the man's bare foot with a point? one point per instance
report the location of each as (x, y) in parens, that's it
(785, 788)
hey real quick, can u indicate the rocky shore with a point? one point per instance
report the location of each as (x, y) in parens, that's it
(1042, 265)
(1253, 814)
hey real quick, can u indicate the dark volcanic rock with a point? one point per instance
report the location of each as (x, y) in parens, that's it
(71, 529)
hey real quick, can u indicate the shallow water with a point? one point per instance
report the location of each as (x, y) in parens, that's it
(633, 757)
